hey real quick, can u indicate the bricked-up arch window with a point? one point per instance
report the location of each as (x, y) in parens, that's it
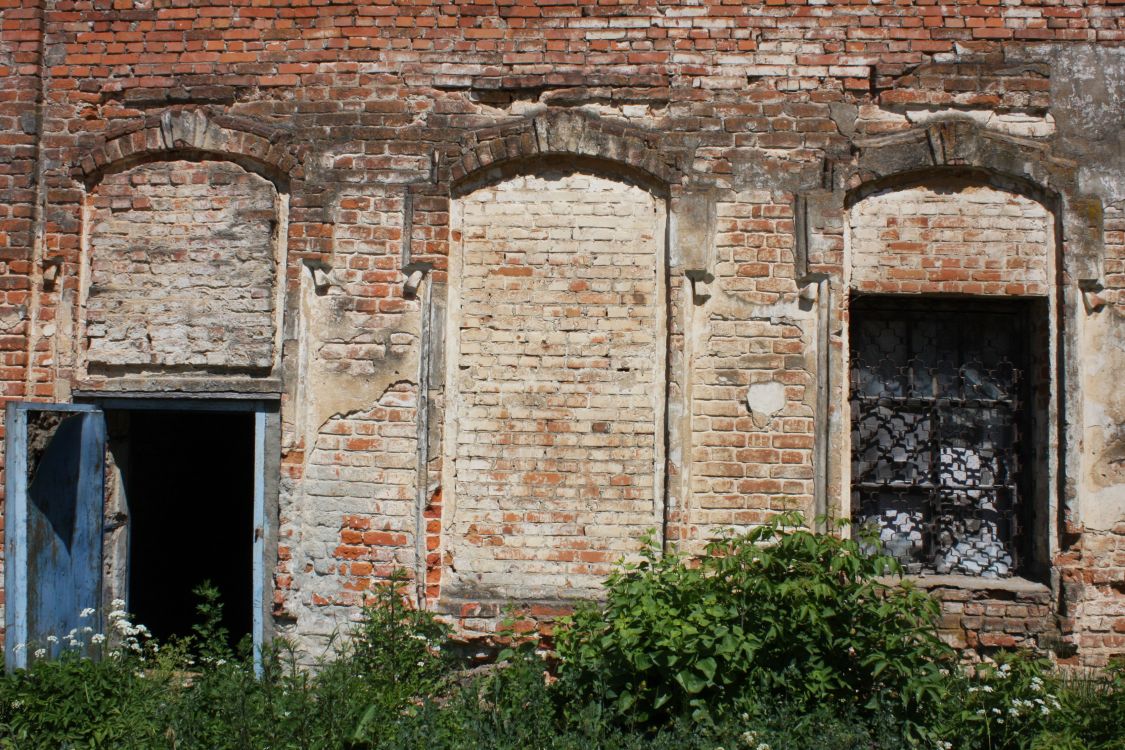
(941, 393)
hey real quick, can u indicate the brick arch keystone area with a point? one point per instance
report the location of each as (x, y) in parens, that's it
(562, 134)
(258, 147)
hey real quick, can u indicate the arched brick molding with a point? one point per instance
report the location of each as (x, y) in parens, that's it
(260, 147)
(567, 134)
(962, 146)
(203, 198)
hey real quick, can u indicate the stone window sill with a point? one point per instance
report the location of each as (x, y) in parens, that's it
(1015, 584)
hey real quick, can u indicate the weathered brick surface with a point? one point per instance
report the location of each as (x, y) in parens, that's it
(183, 271)
(559, 393)
(953, 238)
(761, 126)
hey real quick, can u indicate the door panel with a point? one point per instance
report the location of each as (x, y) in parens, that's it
(55, 483)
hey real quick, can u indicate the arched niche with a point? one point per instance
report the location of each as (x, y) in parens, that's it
(183, 252)
(556, 360)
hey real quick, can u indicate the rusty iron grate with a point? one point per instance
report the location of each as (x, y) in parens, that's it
(938, 395)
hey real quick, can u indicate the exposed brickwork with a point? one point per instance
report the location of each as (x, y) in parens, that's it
(182, 269)
(559, 383)
(354, 520)
(759, 125)
(987, 619)
(953, 238)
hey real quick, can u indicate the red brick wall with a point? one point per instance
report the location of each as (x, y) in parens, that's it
(371, 116)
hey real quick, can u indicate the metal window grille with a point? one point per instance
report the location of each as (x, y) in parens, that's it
(938, 410)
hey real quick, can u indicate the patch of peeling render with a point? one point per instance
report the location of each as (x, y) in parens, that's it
(876, 119)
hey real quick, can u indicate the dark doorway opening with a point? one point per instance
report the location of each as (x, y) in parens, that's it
(189, 487)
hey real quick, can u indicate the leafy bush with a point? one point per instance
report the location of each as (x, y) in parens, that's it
(77, 702)
(775, 613)
(809, 652)
(391, 658)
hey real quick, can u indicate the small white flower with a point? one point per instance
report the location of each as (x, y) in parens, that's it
(52, 639)
(97, 638)
(117, 604)
(87, 630)
(40, 653)
(20, 647)
(17, 704)
(986, 688)
(88, 612)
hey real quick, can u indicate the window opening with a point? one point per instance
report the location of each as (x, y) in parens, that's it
(940, 425)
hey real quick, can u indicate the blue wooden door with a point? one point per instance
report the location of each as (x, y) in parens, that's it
(55, 483)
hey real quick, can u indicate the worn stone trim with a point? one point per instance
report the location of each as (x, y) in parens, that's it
(562, 133)
(259, 147)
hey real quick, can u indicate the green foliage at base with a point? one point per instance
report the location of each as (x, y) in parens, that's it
(779, 613)
(777, 640)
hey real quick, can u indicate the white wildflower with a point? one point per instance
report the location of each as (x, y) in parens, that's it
(97, 638)
(117, 604)
(52, 639)
(986, 688)
(88, 612)
(40, 653)
(17, 704)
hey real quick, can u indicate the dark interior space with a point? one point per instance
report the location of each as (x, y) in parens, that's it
(189, 486)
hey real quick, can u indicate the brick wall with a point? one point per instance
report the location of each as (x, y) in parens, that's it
(953, 238)
(374, 118)
(182, 269)
(559, 383)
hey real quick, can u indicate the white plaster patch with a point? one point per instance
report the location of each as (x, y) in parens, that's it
(765, 400)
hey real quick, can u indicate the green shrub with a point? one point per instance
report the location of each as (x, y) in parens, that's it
(392, 657)
(776, 613)
(810, 652)
(1091, 713)
(76, 702)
